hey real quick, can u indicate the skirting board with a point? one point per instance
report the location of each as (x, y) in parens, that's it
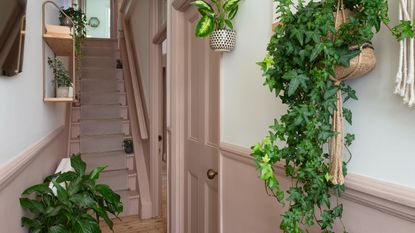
(388, 198)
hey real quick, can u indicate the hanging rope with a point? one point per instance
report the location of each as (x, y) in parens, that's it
(337, 141)
(359, 66)
(405, 77)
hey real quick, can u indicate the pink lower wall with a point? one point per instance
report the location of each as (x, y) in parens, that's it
(44, 158)
(371, 206)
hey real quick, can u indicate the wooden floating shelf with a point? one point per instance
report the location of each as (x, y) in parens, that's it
(61, 45)
(54, 99)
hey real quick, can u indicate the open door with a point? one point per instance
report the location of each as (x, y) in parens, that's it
(195, 126)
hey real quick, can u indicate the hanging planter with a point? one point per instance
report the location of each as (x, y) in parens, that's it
(222, 40)
(217, 24)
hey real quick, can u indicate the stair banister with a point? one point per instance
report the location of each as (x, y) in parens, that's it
(139, 102)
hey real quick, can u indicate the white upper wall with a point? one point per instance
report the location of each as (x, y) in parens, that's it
(384, 127)
(24, 117)
(102, 10)
(139, 23)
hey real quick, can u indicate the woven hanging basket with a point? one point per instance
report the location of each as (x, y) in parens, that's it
(361, 64)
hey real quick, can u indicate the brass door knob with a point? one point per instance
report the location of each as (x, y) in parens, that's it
(211, 174)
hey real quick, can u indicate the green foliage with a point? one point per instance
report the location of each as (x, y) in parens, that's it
(302, 57)
(61, 75)
(212, 19)
(74, 203)
(79, 23)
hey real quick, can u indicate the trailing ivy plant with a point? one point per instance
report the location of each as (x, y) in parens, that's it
(79, 23)
(70, 202)
(302, 57)
(212, 19)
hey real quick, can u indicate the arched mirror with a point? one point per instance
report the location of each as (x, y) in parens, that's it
(12, 35)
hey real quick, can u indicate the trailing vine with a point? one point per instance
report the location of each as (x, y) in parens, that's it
(302, 57)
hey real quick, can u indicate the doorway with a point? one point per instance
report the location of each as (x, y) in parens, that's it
(100, 18)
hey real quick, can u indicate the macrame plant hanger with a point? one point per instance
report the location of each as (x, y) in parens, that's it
(405, 78)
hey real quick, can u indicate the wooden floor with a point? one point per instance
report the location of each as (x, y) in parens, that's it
(134, 224)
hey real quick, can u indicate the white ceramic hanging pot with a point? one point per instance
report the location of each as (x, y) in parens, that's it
(62, 92)
(223, 40)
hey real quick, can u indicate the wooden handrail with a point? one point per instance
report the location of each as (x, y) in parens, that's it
(161, 35)
(139, 102)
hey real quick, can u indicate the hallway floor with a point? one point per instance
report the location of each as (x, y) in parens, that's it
(133, 224)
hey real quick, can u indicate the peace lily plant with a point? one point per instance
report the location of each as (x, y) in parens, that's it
(70, 202)
(300, 69)
(216, 22)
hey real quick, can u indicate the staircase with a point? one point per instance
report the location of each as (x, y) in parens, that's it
(100, 122)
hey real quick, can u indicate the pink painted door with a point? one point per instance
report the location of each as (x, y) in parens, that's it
(201, 132)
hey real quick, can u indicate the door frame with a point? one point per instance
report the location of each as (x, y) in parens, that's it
(176, 73)
(176, 77)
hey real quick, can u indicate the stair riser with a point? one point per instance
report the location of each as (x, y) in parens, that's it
(105, 98)
(101, 112)
(100, 128)
(99, 86)
(100, 43)
(106, 73)
(101, 144)
(116, 180)
(132, 182)
(131, 206)
(99, 62)
(75, 148)
(101, 52)
(130, 162)
(114, 162)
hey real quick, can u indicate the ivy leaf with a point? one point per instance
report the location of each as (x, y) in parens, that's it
(347, 115)
(346, 55)
(205, 26)
(316, 51)
(349, 138)
(299, 35)
(295, 81)
(403, 30)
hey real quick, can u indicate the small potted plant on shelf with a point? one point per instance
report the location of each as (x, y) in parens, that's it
(61, 77)
(70, 201)
(217, 24)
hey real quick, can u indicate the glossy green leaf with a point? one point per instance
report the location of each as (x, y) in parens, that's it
(96, 172)
(232, 13)
(32, 205)
(77, 164)
(57, 229)
(204, 8)
(230, 5)
(39, 189)
(205, 26)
